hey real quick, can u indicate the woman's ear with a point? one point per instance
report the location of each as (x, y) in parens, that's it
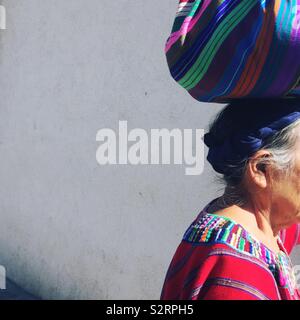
(258, 172)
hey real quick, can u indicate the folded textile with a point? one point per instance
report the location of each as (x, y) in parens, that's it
(220, 50)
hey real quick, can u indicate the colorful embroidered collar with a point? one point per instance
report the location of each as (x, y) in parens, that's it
(211, 228)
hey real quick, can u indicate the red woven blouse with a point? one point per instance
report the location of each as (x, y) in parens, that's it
(218, 259)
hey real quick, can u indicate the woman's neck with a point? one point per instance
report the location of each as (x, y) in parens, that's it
(256, 222)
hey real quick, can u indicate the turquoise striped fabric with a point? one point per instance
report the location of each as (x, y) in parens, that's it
(220, 50)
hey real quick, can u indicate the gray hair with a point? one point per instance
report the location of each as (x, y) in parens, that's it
(280, 146)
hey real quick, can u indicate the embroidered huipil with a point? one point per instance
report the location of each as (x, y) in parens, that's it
(219, 260)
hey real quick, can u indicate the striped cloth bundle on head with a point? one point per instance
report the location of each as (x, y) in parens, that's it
(221, 50)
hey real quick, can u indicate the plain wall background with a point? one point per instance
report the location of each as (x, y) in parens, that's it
(70, 228)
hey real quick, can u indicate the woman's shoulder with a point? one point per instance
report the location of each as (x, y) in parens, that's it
(291, 237)
(214, 261)
(218, 272)
(212, 229)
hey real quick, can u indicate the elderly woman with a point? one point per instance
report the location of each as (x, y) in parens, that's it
(238, 246)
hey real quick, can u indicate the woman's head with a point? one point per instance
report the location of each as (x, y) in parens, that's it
(255, 145)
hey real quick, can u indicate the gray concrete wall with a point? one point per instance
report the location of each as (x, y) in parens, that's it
(70, 228)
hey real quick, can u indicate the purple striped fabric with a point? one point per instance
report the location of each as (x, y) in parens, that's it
(221, 50)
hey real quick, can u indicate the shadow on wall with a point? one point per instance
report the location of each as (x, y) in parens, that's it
(14, 292)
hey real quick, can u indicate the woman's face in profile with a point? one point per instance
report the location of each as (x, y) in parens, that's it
(286, 192)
